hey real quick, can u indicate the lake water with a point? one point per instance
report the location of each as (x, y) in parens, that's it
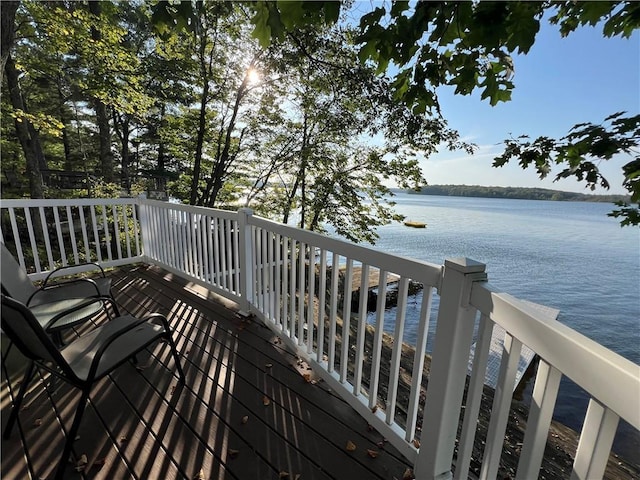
(566, 255)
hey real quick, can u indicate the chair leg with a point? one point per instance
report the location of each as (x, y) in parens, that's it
(176, 358)
(18, 401)
(71, 435)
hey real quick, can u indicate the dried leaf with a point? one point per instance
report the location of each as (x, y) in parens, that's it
(233, 453)
(37, 422)
(416, 443)
(245, 419)
(173, 389)
(81, 463)
(200, 475)
(100, 463)
(350, 446)
(123, 439)
(283, 474)
(307, 377)
(408, 474)
(373, 453)
(266, 401)
(374, 409)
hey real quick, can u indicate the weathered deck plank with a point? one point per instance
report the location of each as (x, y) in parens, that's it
(138, 425)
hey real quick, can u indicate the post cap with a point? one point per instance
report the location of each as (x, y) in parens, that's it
(464, 265)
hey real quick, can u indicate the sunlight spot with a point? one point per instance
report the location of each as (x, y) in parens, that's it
(253, 76)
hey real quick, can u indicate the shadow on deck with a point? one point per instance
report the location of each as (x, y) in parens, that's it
(246, 412)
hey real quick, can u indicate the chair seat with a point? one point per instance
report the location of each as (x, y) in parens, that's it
(80, 353)
(46, 312)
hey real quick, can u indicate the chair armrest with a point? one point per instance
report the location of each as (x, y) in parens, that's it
(61, 284)
(59, 270)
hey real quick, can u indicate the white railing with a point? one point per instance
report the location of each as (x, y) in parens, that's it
(302, 284)
(47, 234)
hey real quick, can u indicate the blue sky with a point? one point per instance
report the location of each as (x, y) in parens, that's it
(559, 83)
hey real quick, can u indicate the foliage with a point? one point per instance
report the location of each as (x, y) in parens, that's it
(164, 87)
(524, 193)
(468, 46)
(580, 150)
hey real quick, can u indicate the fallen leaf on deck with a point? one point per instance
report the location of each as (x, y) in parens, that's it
(200, 475)
(173, 389)
(374, 409)
(408, 474)
(81, 463)
(100, 463)
(266, 401)
(284, 475)
(370, 428)
(245, 419)
(123, 439)
(37, 422)
(350, 446)
(416, 443)
(307, 377)
(233, 453)
(373, 453)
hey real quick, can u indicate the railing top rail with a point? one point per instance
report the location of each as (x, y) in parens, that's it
(59, 202)
(606, 376)
(426, 272)
(226, 214)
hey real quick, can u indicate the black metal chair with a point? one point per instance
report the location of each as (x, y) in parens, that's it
(84, 360)
(56, 305)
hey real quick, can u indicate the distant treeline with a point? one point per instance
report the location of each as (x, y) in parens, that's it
(514, 192)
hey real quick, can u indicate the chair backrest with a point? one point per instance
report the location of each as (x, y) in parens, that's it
(23, 329)
(13, 277)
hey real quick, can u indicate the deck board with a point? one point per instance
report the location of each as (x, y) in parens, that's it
(139, 425)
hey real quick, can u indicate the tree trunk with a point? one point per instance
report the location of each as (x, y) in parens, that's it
(197, 161)
(68, 164)
(102, 117)
(162, 154)
(22, 131)
(121, 127)
(7, 30)
(224, 161)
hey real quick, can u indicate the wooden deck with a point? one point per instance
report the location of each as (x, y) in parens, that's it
(246, 411)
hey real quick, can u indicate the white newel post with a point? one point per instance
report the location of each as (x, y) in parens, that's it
(454, 334)
(245, 250)
(145, 234)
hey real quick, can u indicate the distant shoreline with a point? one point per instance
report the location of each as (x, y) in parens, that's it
(520, 193)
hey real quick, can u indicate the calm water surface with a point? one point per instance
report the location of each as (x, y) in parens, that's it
(567, 255)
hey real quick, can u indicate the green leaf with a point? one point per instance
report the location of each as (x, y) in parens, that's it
(331, 12)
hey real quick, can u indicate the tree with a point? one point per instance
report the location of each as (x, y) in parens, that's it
(320, 161)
